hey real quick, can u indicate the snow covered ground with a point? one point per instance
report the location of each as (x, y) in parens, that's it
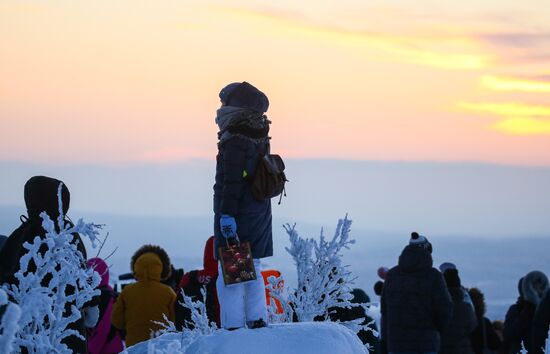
(303, 338)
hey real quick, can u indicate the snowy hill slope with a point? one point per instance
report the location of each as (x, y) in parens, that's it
(285, 338)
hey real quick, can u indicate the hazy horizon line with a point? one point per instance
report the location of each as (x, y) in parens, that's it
(187, 161)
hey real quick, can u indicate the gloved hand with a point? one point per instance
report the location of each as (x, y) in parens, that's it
(228, 226)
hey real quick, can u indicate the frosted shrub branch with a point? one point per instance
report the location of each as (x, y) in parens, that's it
(199, 326)
(199, 317)
(9, 325)
(323, 281)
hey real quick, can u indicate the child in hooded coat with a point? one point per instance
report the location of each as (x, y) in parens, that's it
(104, 338)
(192, 282)
(146, 301)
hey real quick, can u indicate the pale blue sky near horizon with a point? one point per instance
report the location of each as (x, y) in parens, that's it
(474, 199)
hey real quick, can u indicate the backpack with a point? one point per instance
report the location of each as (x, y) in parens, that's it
(269, 178)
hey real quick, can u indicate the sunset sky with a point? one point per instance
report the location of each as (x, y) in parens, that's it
(126, 82)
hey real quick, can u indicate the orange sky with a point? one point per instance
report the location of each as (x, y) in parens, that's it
(137, 81)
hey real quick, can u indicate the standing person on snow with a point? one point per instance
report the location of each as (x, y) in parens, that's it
(104, 338)
(243, 138)
(519, 318)
(415, 304)
(455, 338)
(192, 283)
(144, 302)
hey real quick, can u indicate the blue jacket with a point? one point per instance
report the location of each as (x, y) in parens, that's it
(235, 164)
(416, 305)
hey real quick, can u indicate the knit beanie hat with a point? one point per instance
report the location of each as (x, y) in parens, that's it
(244, 95)
(446, 266)
(382, 271)
(420, 241)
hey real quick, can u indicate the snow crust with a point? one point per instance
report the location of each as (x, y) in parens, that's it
(303, 338)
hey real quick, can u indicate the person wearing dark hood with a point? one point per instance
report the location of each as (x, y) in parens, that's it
(243, 139)
(415, 305)
(519, 318)
(455, 338)
(41, 195)
(484, 338)
(193, 282)
(541, 325)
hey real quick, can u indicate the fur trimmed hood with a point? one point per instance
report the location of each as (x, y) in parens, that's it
(533, 286)
(162, 255)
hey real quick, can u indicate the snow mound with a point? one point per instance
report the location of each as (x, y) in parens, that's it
(303, 338)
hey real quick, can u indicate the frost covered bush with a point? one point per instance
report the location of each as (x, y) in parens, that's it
(201, 326)
(323, 280)
(51, 297)
(9, 324)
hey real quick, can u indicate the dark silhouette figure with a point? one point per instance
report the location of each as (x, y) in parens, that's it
(416, 305)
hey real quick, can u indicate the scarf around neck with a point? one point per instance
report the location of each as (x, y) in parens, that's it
(242, 122)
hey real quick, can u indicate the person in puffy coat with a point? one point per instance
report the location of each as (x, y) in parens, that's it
(541, 325)
(243, 138)
(455, 338)
(104, 338)
(484, 338)
(519, 318)
(415, 304)
(146, 301)
(192, 282)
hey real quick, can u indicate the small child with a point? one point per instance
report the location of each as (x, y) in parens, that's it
(142, 303)
(104, 338)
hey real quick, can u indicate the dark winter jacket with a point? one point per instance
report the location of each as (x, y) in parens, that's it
(517, 326)
(192, 283)
(235, 164)
(519, 318)
(541, 323)
(492, 340)
(41, 195)
(484, 337)
(2, 240)
(416, 305)
(455, 338)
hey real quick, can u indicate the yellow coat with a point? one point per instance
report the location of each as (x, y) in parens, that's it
(145, 301)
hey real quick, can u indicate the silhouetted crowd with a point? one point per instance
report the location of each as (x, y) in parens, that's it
(423, 309)
(428, 310)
